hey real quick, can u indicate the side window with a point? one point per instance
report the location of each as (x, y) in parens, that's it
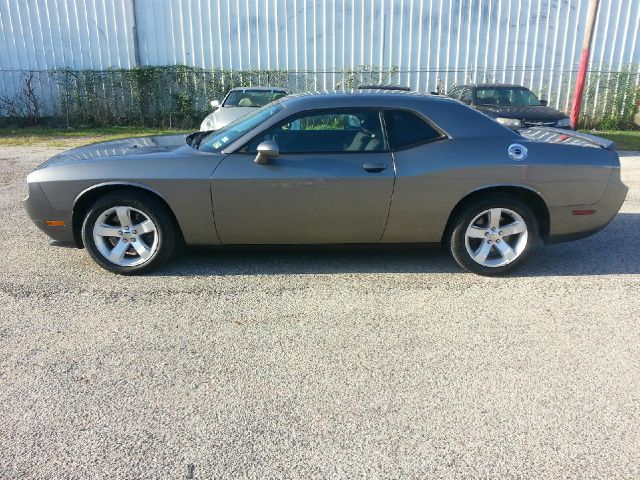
(406, 129)
(465, 96)
(326, 131)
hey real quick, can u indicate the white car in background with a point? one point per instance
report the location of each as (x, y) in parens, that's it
(238, 102)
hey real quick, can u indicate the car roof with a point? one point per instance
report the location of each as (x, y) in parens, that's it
(363, 99)
(268, 89)
(369, 94)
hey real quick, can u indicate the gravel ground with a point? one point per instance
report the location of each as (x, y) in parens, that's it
(318, 364)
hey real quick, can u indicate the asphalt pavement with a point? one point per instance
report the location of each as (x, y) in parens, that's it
(338, 364)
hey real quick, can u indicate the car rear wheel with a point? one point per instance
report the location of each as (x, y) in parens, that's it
(494, 235)
(129, 232)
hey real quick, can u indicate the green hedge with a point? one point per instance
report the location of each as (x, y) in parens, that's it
(161, 97)
(178, 96)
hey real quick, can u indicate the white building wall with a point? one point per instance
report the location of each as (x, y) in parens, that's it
(534, 42)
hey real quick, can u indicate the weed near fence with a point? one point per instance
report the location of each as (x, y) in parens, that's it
(160, 97)
(178, 96)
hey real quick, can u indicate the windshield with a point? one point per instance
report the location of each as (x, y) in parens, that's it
(506, 97)
(218, 139)
(252, 98)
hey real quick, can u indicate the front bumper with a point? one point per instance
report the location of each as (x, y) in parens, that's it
(40, 210)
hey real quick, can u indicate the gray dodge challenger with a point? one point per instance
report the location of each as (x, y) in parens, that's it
(361, 167)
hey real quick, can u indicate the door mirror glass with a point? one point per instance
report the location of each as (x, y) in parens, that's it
(266, 151)
(544, 103)
(215, 103)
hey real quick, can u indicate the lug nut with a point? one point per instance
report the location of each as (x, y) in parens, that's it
(498, 241)
(499, 233)
(119, 232)
(493, 229)
(124, 240)
(134, 232)
(486, 234)
(133, 239)
(489, 242)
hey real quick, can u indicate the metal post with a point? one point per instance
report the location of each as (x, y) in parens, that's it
(66, 94)
(584, 62)
(136, 35)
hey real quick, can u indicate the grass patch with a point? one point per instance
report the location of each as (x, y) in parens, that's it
(624, 140)
(73, 137)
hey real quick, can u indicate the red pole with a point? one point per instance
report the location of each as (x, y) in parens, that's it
(584, 62)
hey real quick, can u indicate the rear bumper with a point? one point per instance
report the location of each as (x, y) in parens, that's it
(40, 210)
(566, 225)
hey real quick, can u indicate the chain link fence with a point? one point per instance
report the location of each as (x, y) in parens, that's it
(178, 96)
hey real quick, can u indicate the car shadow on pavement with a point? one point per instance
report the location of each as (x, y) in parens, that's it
(615, 250)
(309, 261)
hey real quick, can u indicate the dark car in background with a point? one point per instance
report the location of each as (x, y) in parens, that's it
(513, 106)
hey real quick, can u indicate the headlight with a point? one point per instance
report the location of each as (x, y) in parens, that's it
(563, 122)
(509, 122)
(206, 125)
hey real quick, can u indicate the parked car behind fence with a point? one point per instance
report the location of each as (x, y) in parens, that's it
(513, 106)
(237, 103)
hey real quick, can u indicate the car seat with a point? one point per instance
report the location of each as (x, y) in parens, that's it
(368, 138)
(246, 102)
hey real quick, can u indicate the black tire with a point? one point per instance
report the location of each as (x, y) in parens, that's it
(464, 218)
(166, 230)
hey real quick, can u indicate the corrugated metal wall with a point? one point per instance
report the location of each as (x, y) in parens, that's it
(45, 34)
(535, 42)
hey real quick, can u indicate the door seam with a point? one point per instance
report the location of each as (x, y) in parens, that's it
(393, 189)
(213, 212)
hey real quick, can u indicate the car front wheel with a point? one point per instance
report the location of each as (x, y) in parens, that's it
(494, 235)
(129, 232)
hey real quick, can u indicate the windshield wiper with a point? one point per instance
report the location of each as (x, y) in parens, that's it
(196, 139)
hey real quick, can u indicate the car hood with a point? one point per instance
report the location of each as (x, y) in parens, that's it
(528, 113)
(225, 115)
(118, 148)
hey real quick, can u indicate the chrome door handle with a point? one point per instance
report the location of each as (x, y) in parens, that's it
(374, 167)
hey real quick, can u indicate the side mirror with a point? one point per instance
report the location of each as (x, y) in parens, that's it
(266, 151)
(215, 103)
(544, 103)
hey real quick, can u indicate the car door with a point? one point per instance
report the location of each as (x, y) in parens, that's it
(331, 182)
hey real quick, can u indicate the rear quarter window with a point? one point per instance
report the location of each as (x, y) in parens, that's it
(406, 129)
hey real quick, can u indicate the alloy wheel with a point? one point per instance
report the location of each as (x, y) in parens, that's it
(496, 237)
(125, 236)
